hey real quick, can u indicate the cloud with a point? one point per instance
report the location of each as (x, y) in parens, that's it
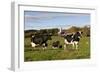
(49, 15)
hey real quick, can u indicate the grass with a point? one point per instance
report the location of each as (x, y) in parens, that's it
(38, 54)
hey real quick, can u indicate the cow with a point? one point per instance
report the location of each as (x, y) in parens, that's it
(72, 39)
(40, 40)
(56, 45)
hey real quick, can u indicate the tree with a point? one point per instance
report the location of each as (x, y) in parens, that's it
(86, 31)
(73, 29)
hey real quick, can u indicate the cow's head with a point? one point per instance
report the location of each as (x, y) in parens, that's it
(79, 34)
(49, 36)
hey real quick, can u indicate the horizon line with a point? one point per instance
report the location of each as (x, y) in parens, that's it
(58, 27)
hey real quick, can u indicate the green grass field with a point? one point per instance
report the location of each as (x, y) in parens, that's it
(38, 54)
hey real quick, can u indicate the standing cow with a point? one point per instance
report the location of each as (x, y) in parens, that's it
(72, 39)
(40, 39)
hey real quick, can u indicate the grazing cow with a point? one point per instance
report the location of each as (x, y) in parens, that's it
(72, 39)
(40, 39)
(56, 44)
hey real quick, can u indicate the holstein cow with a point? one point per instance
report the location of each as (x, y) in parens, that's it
(72, 39)
(40, 40)
(56, 45)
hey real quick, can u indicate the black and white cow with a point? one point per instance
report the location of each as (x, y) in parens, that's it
(72, 39)
(40, 40)
(56, 45)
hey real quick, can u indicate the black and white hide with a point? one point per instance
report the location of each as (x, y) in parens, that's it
(72, 39)
(40, 40)
(56, 45)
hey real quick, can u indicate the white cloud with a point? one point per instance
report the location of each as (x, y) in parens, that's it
(48, 15)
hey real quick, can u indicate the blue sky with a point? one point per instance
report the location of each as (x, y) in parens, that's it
(43, 20)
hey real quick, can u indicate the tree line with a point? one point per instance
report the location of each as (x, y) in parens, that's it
(54, 31)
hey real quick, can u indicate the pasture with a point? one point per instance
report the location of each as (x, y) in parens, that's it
(38, 54)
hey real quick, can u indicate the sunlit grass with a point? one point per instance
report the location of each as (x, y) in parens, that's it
(38, 54)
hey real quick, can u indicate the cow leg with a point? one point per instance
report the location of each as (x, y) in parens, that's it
(64, 46)
(73, 45)
(76, 45)
(44, 46)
